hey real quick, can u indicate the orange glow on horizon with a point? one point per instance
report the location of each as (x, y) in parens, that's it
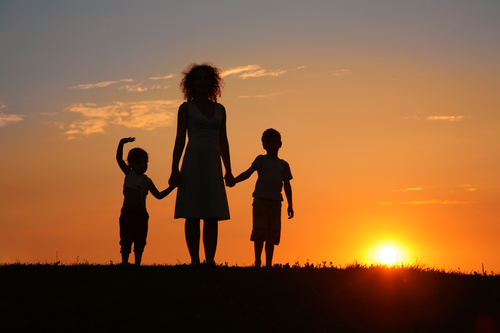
(381, 251)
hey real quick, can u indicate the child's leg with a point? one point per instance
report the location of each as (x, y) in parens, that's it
(192, 231)
(210, 232)
(273, 232)
(269, 254)
(258, 245)
(126, 238)
(140, 236)
(259, 225)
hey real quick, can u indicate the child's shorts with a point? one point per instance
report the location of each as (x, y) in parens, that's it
(133, 229)
(266, 221)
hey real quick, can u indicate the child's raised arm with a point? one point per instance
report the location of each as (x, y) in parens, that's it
(160, 195)
(119, 155)
(244, 175)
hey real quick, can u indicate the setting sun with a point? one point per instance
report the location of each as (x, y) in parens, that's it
(388, 256)
(388, 251)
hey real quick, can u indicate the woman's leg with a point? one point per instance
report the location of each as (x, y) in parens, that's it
(210, 231)
(192, 231)
(138, 258)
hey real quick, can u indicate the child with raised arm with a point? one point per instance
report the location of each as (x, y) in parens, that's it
(274, 174)
(134, 216)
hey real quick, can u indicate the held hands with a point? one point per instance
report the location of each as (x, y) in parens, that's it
(175, 178)
(229, 180)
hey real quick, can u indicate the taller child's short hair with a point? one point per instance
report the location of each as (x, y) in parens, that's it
(187, 83)
(137, 154)
(271, 132)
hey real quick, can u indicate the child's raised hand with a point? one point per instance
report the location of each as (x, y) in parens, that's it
(126, 140)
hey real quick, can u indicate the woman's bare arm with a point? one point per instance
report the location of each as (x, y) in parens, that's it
(180, 142)
(224, 149)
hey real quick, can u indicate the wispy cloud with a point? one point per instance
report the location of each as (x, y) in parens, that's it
(252, 71)
(259, 96)
(241, 69)
(409, 189)
(140, 88)
(340, 72)
(9, 118)
(262, 72)
(469, 188)
(446, 118)
(134, 88)
(147, 115)
(428, 202)
(99, 85)
(169, 76)
(87, 127)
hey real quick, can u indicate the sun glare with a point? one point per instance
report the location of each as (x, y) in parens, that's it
(388, 256)
(388, 251)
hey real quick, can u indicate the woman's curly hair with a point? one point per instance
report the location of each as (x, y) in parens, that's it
(187, 83)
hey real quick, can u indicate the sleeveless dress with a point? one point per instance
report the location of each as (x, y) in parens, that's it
(202, 193)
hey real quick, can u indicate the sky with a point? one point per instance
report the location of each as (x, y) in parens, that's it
(388, 110)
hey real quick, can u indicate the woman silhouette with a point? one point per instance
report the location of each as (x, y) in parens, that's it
(201, 193)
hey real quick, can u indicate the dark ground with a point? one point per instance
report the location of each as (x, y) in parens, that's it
(110, 298)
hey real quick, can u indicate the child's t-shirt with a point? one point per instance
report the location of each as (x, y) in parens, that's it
(140, 183)
(271, 173)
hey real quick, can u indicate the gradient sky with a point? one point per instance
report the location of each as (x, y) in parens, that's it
(388, 110)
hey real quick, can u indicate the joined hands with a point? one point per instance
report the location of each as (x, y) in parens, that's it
(229, 180)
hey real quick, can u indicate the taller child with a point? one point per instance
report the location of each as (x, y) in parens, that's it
(274, 175)
(201, 193)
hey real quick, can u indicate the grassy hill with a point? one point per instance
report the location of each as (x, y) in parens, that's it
(355, 298)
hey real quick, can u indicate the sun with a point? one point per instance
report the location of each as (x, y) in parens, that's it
(388, 255)
(388, 251)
